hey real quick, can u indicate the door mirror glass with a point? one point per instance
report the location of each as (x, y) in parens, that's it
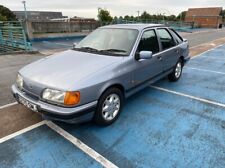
(145, 55)
(74, 45)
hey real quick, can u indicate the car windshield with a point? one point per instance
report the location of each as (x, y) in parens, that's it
(109, 41)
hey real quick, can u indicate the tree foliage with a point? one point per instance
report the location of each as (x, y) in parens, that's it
(104, 16)
(6, 14)
(223, 14)
(182, 15)
(146, 17)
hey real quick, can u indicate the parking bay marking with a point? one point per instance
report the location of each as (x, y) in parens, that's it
(6, 138)
(205, 70)
(89, 151)
(199, 55)
(86, 149)
(8, 105)
(214, 58)
(189, 96)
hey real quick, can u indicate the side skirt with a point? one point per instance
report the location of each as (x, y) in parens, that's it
(143, 85)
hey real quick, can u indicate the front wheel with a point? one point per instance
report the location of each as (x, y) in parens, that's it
(109, 107)
(177, 71)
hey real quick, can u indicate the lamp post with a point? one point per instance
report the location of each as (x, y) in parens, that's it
(194, 21)
(26, 18)
(164, 18)
(138, 15)
(25, 10)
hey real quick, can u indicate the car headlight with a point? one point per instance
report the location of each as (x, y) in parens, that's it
(65, 98)
(19, 81)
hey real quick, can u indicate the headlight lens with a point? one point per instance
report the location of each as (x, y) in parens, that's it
(19, 81)
(65, 98)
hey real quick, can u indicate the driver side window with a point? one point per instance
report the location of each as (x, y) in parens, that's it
(149, 42)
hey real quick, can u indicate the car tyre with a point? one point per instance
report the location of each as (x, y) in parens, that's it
(177, 72)
(109, 107)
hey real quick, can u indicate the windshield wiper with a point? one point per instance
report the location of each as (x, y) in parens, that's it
(114, 50)
(87, 48)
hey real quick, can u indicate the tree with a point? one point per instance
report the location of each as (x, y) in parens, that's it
(6, 14)
(223, 14)
(181, 16)
(104, 16)
(145, 16)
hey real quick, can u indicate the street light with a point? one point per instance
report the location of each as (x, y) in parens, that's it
(164, 18)
(193, 20)
(25, 10)
(138, 15)
(26, 18)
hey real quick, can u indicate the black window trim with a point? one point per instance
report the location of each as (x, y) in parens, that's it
(145, 30)
(173, 31)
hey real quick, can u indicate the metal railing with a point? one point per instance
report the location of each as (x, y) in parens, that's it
(177, 25)
(13, 38)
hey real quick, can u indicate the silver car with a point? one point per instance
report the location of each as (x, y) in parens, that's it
(92, 80)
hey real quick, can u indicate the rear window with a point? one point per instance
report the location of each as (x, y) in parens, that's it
(177, 37)
(166, 39)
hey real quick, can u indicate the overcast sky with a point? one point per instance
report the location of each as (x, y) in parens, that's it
(88, 8)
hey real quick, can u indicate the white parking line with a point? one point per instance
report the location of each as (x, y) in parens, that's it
(89, 151)
(189, 96)
(205, 51)
(6, 138)
(8, 105)
(211, 57)
(205, 70)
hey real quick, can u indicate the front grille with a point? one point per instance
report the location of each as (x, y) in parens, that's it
(31, 95)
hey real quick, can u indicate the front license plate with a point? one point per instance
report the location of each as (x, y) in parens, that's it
(28, 104)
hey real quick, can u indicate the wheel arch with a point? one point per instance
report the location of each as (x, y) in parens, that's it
(182, 59)
(115, 85)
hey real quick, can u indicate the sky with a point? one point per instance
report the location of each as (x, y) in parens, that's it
(89, 8)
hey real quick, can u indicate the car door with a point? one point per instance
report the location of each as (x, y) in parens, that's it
(169, 49)
(149, 68)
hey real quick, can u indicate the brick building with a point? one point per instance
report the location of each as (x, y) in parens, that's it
(205, 17)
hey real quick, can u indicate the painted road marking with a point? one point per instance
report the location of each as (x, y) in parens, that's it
(205, 70)
(86, 149)
(189, 96)
(89, 151)
(8, 105)
(204, 51)
(214, 58)
(6, 138)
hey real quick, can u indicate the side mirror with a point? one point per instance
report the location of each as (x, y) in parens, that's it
(74, 45)
(145, 55)
(185, 40)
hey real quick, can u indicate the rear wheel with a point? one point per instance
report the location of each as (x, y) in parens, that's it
(109, 107)
(177, 71)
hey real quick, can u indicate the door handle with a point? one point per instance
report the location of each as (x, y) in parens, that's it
(176, 51)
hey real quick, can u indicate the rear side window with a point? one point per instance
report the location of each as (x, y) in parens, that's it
(177, 37)
(166, 39)
(149, 42)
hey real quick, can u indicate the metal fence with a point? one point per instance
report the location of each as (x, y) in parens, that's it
(177, 25)
(13, 38)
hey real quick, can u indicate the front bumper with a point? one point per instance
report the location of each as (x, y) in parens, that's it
(53, 112)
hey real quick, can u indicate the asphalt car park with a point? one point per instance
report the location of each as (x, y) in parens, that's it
(165, 125)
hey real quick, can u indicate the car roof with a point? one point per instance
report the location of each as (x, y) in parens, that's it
(133, 26)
